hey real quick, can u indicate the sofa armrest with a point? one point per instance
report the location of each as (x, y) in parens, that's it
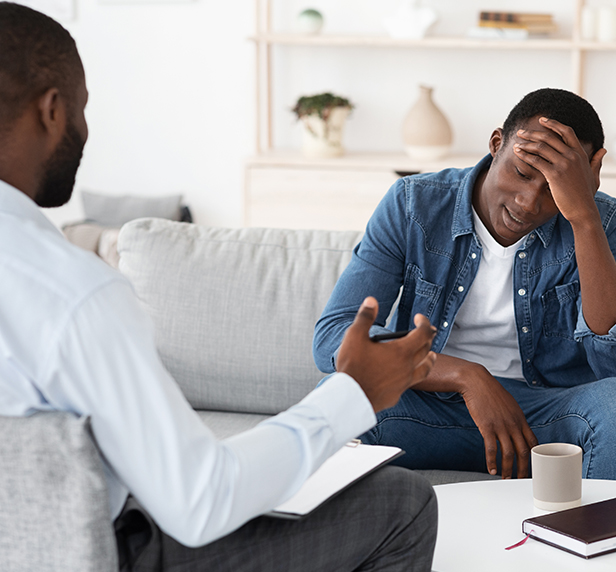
(54, 507)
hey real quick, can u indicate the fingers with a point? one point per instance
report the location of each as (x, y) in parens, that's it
(419, 341)
(507, 456)
(522, 449)
(365, 317)
(524, 444)
(489, 442)
(423, 327)
(424, 367)
(421, 321)
(566, 133)
(514, 447)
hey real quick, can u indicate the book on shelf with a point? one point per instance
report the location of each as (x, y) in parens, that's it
(532, 28)
(515, 17)
(535, 24)
(585, 531)
(511, 34)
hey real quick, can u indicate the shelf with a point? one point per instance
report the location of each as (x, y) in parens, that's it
(366, 161)
(359, 161)
(327, 40)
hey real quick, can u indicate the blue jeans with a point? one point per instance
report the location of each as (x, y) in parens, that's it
(437, 431)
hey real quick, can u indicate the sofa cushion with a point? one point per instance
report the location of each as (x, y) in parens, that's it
(54, 508)
(235, 309)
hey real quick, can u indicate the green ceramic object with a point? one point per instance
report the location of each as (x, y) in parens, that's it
(310, 21)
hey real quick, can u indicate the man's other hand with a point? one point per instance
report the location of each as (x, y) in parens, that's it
(385, 370)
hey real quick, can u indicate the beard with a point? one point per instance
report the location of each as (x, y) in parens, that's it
(59, 171)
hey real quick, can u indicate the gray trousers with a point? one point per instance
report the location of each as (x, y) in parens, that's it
(386, 521)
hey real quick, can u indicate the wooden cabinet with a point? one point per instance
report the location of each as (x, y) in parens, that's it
(285, 190)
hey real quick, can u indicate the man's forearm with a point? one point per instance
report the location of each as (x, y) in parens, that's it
(451, 374)
(597, 269)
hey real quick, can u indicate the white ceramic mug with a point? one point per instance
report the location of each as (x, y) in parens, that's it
(557, 476)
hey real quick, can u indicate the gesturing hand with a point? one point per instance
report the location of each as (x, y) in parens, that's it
(500, 420)
(385, 370)
(558, 155)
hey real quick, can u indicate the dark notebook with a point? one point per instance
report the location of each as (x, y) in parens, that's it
(586, 531)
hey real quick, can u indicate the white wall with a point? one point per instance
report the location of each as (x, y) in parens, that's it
(172, 89)
(171, 105)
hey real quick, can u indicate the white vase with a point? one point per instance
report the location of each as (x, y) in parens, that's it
(426, 132)
(411, 21)
(323, 138)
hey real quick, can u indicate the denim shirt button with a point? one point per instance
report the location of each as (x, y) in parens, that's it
(460, 288)
(528, 360)
(445, 324)
(473, 256)
(525, 330)
(522, 255)
(522, 292)
(534, 382)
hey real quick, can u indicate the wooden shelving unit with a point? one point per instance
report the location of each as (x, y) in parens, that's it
(283, 165)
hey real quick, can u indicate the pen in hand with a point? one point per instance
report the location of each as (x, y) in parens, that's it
(389, 336)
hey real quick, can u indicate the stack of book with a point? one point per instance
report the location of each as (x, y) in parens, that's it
(513, 25)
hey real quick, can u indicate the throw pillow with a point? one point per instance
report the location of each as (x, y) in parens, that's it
(114, 210)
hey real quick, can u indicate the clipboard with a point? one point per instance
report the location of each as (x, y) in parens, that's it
(351, 463)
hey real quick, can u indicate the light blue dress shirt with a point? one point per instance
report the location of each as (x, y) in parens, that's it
(73, 337)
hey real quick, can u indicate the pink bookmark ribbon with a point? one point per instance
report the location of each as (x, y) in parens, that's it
(521, 541)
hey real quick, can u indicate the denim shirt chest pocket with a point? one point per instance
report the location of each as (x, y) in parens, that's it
(418, 295)
(560, 310)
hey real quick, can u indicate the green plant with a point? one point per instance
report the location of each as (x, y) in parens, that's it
(320, 104)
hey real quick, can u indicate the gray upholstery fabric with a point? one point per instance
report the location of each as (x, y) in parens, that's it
(438, 477)
(115, 210)
(235, 309)
(54, 510)
(225, 424)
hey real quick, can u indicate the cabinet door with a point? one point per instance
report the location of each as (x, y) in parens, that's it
(327, 199)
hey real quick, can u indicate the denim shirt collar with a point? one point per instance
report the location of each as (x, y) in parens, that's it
(463, 213)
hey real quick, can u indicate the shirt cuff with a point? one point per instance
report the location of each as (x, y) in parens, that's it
(582, 330)
(344, 405)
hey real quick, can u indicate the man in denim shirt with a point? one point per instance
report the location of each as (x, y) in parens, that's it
(528, 350)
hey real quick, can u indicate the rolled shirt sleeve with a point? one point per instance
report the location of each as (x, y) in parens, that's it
(600, 350)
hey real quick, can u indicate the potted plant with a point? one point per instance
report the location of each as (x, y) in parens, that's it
(323, 117)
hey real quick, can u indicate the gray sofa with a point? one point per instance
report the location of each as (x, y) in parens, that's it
(234, 311)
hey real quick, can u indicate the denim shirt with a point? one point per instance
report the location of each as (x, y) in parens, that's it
(420, 244)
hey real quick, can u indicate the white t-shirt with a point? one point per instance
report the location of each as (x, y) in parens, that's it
(484, 331)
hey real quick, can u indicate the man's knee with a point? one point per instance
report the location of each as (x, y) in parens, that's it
(597, 400)
(407, 494)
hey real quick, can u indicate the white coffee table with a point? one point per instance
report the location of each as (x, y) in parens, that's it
(478, 520)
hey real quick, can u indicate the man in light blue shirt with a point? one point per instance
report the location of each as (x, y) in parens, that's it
(74, 338)
(513, 261)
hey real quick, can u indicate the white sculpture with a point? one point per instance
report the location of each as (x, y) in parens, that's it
(411, 21)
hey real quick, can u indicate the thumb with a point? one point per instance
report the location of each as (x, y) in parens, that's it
(365, 315)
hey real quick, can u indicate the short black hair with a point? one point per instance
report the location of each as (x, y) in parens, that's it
(36, 54)
(563, 106)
